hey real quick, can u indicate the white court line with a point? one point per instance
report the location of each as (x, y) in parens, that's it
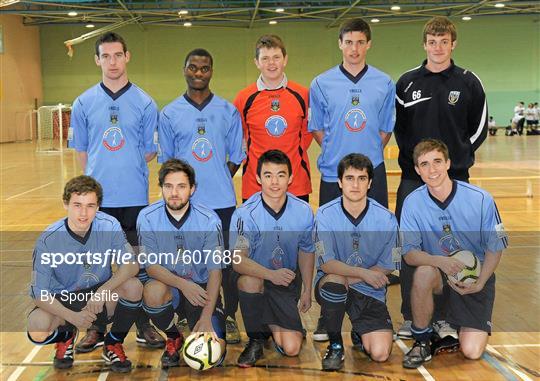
(423, 371)
(103, 376)
(30, 190)
(519, 373)
(515, 345)
(21, 369)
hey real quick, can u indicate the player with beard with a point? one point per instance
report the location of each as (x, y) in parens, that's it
(186, 282)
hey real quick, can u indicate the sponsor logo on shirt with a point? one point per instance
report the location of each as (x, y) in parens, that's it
(113, 139)
(355, 120)
(453, 97)
(275, 125)
(202, 149)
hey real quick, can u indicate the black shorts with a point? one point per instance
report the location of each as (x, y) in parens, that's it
(80, 302)
(281, 306)
(367, 314)
(127, 216)
(193, 313)
(472, 310)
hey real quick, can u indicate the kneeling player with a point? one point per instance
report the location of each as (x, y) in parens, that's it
(188, 280)
(273, 233)
(355, 238)
(70, 295)
(442, 216)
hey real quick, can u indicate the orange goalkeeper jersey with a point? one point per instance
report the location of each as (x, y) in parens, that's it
(275, 119)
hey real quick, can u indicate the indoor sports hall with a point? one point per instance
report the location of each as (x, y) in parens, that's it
(47, 61)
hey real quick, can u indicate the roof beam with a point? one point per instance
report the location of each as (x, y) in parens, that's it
(254, 13)
(343, 13)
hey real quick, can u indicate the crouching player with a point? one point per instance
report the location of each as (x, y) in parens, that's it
(357, 245)
(442, 216)
(272, 233)
(188, 280)
(78, 288)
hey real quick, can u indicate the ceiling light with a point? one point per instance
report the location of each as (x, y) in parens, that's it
(183, 12)
(5, 3)
(272, 22)
(89, 26)
(187, 24)
(375, 20)
(72, 14)
(280, 10)
(499, 5)
(395, 7)
(466, 18)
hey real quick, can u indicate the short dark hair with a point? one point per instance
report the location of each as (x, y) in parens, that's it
(173, 166)
(269, 41)
(355, 25)
(110, 37)
(199, 52)
(428, 145)
(356, 161)
(439, 25)
(273, 156)
(82, 185)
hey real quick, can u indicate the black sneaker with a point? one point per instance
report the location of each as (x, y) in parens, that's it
(357, 342)
(251, 353)
(418, 355)
(447, 344)
(171, 357)
(334, 357)
(114, 355)
(63, 358)
(320, 334)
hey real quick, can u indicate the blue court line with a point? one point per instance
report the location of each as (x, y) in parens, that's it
(505, 372)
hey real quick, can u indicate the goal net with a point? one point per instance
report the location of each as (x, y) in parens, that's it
(53, 128)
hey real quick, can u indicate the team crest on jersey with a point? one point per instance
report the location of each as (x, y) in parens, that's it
(201, 129)
(275, 125)
(355, 120)
(113, 139)
(448, 243)
(453, 97)
(202, 149)
(274, 106)
(355, 100)
(114, 119)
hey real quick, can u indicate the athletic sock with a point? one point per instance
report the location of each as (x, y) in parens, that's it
(334, 299)
(421, 334)
(163, 318)
(251, 305)
(123, 318)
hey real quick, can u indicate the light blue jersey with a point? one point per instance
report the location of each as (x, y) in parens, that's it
(64, 261)
(195, 243)
(366, 241)
(351, 111)
(467, 220)
(116, 130)
(273, 239)
(206, 136)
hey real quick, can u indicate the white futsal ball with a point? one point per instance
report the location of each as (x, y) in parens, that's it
(472, 267)
(200, 353)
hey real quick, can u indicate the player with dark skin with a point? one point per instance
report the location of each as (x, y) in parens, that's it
(198, 73)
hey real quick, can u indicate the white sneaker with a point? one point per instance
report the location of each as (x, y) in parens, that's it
(443, 329)
(404, 332)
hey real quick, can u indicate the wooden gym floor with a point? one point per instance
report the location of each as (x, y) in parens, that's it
(508, 167)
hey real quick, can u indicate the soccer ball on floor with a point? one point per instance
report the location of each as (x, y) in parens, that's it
(472, 267)
(201, 353)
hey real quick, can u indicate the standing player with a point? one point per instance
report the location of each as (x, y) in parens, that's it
(272, 231)
(187, 280)
(206, 131)
(442, 216)
(68, 295)
(443, 101)
(352, 110)
(113, 126)
(274, 114)
(355, 239)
